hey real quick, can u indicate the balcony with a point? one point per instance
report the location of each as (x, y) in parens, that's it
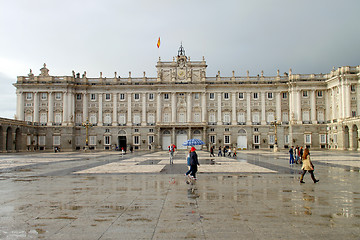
(255, 123)
(306, 122)
(212, 123)
(226, 123)
(241, 123)
(121, 124)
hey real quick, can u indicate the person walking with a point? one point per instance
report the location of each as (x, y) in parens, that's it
(301, 154)
(212, 151)
(188, 163)
(234, 152)
(291, 151)
(171, 151)
(219, 153)
(229, 152)
(297, 154)
(193, 163)
(307, 166)
(224, 151)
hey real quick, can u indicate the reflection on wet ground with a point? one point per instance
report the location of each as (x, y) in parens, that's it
(142, 196)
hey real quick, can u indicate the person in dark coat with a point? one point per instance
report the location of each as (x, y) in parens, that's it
(193, 163)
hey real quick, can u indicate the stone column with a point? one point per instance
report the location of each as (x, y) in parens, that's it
(248, 108)
(278, 106)
(20, 106)
(51, 109)
(71, 107)
(129, 115)
(358, 143)
(65, 109)
(189, 107)
(115, 115)
(233, 114)
(358, 99)
(263, 109)
(298, 106)
(347, 103)
(351, 140)
(36, 107)
(203, 107)
(219, 120)
(291, 106)
(143, 118)
(333, 116)
(85, 107)
(312, 107)
(100, 120)
(342, 100)
(158, 108)
(173, 107)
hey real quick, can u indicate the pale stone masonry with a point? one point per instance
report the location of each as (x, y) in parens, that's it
(182, 102)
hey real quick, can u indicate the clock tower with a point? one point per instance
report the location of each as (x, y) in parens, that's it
(181, 69)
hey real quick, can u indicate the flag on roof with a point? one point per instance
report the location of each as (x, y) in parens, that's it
(158, 43)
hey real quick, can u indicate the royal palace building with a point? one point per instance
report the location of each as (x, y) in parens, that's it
(182, 102)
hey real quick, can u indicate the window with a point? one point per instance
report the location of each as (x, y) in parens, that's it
(122, 118)
(226, 117)
(107, 96)
(28, 96)
(122, 96)
(43, 117)
(92, 140)
(241, 95)
(256, 129)
(196, 96)
(353, 113)
(78, 118)
(57, 96)
(93, 97)
(212, 96)
(137, 118)
(352, 88)
(93, 119)
(271, 139)
(256, 96)
(306, 116)
(136, 140)
(241, 117)
(305, 93)
(227, 139)
(284, 95)
(151, 130)
(41, 140)
(151, 96)
(166, 117)
(226, 95)
(151, 139)
(270, 117)
(43, 96)
(136, 96)
(212, 117)
(227, 130)
(285, 116)
(322, 138)
(212, 139)
(151, 118)
(107, 118)
(321, 116)
(256, 118)
(196, 117)
(136, 130)
(256, 139)
(286, 139)
(78, 96)
(212, 129)
(28, 118)
(107, 130)
(307, 138)
(270, 95)
(107, 140)
(319, 93)
(56, 140)
(181, 117)
(166, 96)
(57, 117)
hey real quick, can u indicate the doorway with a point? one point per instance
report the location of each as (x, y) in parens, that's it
(122, 142)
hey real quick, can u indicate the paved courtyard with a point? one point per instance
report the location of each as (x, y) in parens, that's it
(104, 195)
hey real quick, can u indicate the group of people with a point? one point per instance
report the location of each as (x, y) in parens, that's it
(302, 156)
(223, 151)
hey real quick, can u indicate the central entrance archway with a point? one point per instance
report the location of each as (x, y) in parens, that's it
(242, 140)
(122, 140)
(181, 137)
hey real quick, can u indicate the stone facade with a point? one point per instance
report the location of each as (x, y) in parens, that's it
(181, 102)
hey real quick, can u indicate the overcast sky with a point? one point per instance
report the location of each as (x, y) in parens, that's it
(309, 36)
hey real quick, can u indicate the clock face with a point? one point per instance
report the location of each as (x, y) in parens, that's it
(181, 73)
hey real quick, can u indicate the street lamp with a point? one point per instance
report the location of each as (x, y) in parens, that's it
(86, 125)
(275, 124)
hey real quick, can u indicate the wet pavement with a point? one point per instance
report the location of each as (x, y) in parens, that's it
(104, 195)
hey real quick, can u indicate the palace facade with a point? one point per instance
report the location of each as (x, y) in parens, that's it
(182, 102)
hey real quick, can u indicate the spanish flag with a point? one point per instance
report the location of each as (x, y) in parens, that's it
(158, 43)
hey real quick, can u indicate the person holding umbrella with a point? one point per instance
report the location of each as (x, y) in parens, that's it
(193, 163)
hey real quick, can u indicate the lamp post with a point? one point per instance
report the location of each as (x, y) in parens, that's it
(86, 125)
(275, 124)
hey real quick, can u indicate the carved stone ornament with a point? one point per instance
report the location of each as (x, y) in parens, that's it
(44, 71)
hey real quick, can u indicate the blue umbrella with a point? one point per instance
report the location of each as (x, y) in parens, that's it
(193, 142)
